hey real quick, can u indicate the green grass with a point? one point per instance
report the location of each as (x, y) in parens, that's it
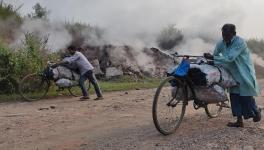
(129, 85)
(124, 83)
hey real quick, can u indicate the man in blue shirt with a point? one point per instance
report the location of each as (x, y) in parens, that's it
(233, 54)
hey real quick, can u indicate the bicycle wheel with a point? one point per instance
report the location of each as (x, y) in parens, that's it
(34, 87)
(213, 110)
(76, 90)
(169, 106)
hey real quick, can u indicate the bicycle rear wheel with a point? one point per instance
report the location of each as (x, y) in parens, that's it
(213, 110)
(169, 105)
(34, 87)
(76, 90)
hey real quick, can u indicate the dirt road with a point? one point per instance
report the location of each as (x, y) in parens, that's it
(122, 121)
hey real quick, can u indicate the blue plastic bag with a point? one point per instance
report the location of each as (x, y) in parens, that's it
(182, 69)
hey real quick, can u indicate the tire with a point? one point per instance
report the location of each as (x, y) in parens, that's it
(76, 90)
(213, 110)
(173, 121)
(34, 87)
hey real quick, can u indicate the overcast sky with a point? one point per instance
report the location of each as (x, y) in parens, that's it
(136, 17)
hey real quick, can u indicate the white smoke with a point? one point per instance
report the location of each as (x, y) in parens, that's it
(58, 37)
(258, 60)
(93, 36)
(127, 21)
(132, 57)
(143, 60)
(195, 46)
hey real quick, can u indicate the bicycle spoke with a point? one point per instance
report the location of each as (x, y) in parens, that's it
(168, 110)
(33, 87)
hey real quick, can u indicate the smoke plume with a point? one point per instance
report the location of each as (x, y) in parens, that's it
(127, 22)
(55, 32)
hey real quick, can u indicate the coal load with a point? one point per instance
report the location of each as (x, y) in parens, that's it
(207, 75)
(198, 77)
(212, 94)
(209, 83)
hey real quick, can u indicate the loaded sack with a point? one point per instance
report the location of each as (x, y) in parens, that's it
(209, 82)
(65, 77)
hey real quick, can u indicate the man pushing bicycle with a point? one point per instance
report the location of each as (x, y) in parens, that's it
(86, 71)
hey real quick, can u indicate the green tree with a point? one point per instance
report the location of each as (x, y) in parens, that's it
(39, 12)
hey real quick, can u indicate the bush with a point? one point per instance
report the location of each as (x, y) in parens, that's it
(6, 61)
(8, 11)
(30, 58)
(10, 20)
(85, 34)
(7, 82)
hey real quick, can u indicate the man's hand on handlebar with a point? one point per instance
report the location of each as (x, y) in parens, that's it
(54, 65)
(208, 56)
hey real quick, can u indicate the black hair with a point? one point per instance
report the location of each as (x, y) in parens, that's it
(71, 47)
(229, 28)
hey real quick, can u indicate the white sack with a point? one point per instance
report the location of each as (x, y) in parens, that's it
(63, 72)
(213, 75)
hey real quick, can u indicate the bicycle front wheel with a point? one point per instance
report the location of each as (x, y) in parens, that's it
(34, 87)
(169, 105)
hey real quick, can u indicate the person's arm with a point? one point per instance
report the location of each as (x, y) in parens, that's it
(69, 60)
(217, 49)
(72, 59)
(216, 52)
(59, 64)
(234, 52)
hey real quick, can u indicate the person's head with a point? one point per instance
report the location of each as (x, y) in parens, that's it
(228, 32)
(72, 49)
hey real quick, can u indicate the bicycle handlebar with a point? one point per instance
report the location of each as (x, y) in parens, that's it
(186, 56)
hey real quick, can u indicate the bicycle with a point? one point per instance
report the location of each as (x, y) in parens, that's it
(168, 108)
(36, 86)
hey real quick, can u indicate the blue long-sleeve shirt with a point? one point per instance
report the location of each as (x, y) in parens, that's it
(236, 58)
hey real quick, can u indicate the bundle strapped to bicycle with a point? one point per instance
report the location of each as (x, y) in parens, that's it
(199, 81)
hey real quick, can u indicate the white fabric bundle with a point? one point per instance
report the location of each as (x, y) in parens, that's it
(64, 72)
(64, 82)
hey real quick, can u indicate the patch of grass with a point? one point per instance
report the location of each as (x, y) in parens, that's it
(129, 85)
(124, 83)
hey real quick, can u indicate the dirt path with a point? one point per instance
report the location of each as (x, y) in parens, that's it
(121, 121)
